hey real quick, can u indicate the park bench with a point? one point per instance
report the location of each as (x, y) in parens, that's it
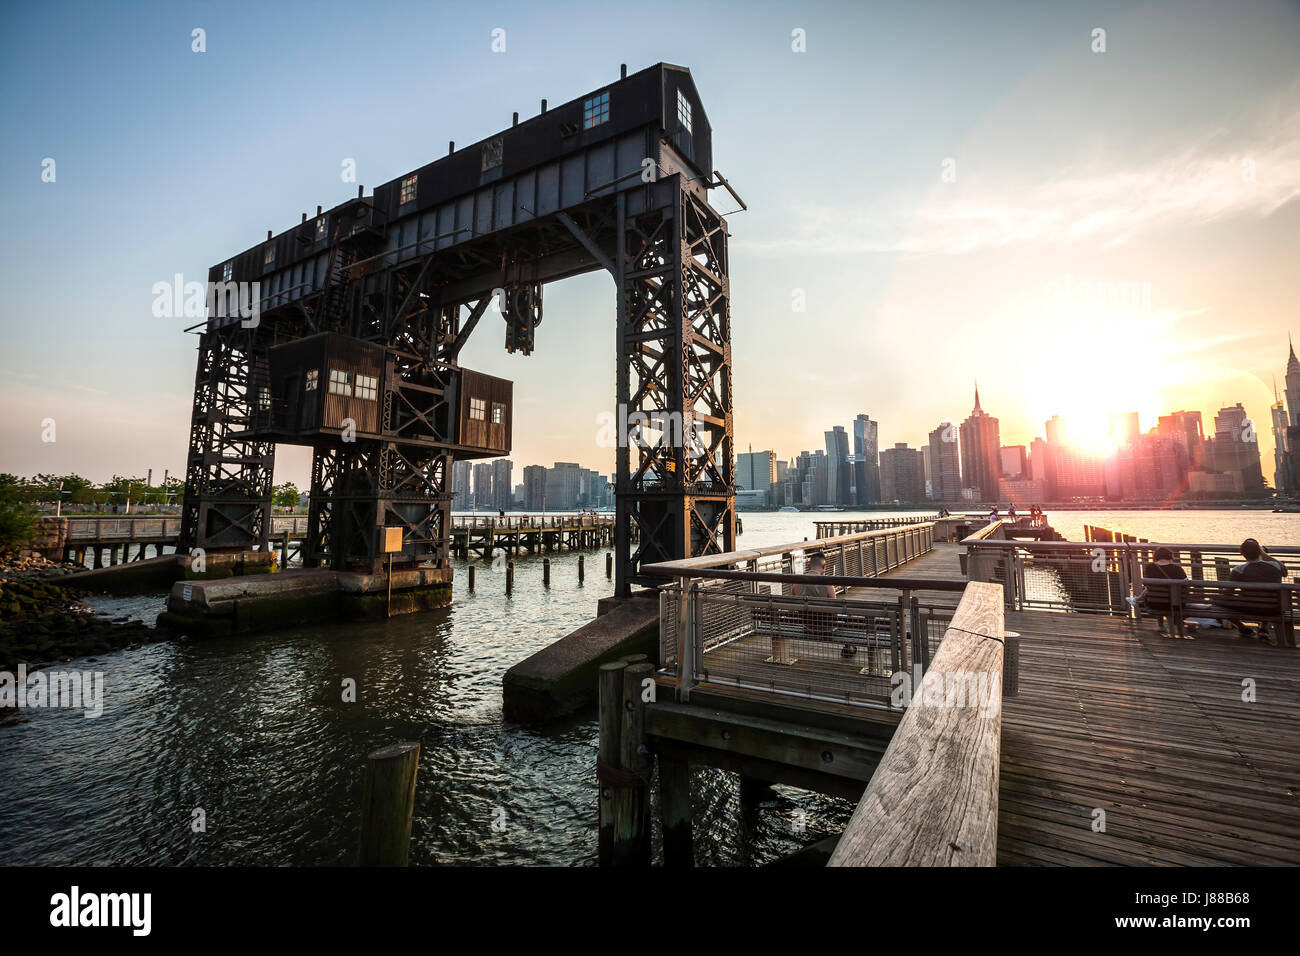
(1273, 606)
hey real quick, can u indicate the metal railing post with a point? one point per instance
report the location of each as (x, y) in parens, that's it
(688, 628)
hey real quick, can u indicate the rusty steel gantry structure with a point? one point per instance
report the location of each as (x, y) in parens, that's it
(364, 310)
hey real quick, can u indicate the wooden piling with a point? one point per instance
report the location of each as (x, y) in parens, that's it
(675, 810)
(609, 680)
(388, 804)
(471, 577)
(581, 569)
(546, 572)
(510, 578)
(284, 551)
(632, 802)
(609, 564)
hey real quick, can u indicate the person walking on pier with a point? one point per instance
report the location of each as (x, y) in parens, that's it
(1157, 599)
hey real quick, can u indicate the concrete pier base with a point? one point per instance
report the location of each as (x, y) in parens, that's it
(297, 597)
(561, 678)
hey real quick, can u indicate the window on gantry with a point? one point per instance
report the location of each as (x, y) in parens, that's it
(313, 379)
(228, 271)
(498, 413)
(367, 387)
(408, 189)
(595, 111)
(269, 256)
(320, 227)
(340, 382)
(477, 409)
(684, 111)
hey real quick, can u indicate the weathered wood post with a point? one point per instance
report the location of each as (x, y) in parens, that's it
(675, 810)
(510, 578)
(581, 568)
(546, 572)
(632, 816)
(1010, 664)
(387, 804)
(609, 564)
(284, 550)
(610, 685)
(471, 577)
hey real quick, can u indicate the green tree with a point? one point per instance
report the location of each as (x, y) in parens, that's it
(17, 520)
(286, 495)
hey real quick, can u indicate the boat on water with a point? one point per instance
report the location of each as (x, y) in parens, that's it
(828, 508)
(788, 509)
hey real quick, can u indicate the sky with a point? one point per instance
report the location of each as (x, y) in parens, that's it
(953, 191)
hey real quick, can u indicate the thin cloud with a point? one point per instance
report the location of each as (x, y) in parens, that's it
(1199, 185)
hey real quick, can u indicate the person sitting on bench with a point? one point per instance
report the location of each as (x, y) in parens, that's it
(1157, 599)
(1260, 568)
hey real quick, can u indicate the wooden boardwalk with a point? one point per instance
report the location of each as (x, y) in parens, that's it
(1153, 732)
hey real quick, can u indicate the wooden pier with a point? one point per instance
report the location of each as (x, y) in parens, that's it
(113, 540)
(483, 535)
(120, 539)
(1151, 731)
(1117, 746)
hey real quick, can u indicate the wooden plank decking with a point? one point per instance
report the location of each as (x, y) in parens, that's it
(1152, 731)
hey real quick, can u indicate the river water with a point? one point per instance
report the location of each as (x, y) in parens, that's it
(253, 732)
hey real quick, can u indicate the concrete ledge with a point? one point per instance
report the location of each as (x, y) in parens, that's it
(134, 577)
(298, 597)
(561, 678)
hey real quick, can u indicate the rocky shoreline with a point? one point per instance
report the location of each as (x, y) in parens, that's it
(43, 623)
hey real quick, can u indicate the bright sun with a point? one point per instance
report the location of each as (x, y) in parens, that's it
(1089, 371)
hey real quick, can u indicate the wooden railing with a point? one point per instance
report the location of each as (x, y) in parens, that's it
(531, 522)
(933, 801)
(151, 528)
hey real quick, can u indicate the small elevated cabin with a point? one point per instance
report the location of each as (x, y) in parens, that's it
(316, 386)
(320, 383)
(485, 411)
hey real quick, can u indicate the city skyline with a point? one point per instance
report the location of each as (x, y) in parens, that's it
(1175, 456)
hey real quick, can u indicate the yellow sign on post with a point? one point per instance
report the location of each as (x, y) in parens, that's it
(390, 540)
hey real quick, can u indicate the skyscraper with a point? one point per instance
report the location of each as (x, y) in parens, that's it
(866, 466)
(1235, 447)
(1186, 428)
(837, 465)
(1014, 461)
(945, 464)
(756, 470)
(1151, 468)
(502, 484)
(562, 486)
(535, 489)
(902, 474)
(460, 476)
(1292, 422)
(980, 441)
(483, 485)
